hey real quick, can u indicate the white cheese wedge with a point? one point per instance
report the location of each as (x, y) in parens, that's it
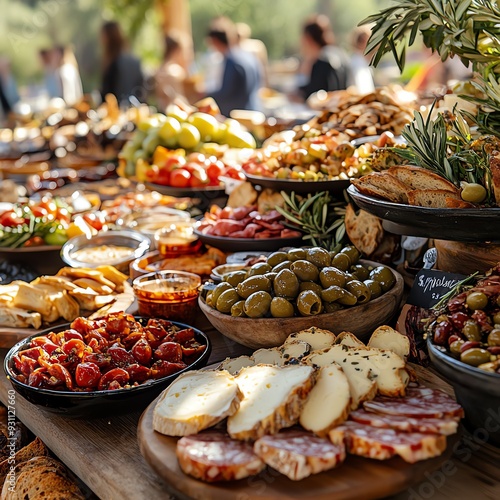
(328, 403)
(234, 365)
(194, 401)
(294, 352)
(273, 399)
(317, 338)
(268, 357)
(349, 339)
(385, 337)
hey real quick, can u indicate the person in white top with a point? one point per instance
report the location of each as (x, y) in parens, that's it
(68, 74)
(361, 71)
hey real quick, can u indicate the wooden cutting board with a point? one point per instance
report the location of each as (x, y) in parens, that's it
(357, 478)
(10, 336)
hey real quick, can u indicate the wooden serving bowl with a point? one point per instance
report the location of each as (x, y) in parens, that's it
(272, 332)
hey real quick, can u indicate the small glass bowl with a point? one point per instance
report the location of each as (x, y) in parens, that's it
(177, 239)
(167, 294)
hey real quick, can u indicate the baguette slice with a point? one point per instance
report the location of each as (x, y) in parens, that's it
(383, 185)
(349, 339)
(328, 403)
(421, 178)
(267, 357)
(431, 198)
(317, 338)
(273, 399)
(385, 337)
(234, 365)
(298, 454)
(194, 401)
(364, 230)
(361, 386)
(293, 352)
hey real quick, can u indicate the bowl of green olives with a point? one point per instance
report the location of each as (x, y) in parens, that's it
(300, 288)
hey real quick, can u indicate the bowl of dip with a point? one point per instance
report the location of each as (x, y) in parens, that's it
(114, 248)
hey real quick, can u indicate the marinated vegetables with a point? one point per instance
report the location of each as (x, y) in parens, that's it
(109, 353)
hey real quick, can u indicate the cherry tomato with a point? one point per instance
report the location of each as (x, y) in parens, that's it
(43, 342)
(173, 162)
(32, 352)
(10, 219)
(215, 170)
(183, 336)
(87, 375)
(163, 177)
(192, 348)
(60, 375)
(196, 158)
(199, 177)
(75, 347)
(103, 361)
(180, 178)
(120, 357)
(118, 375)
(152, 173)
(235, 173)
(34, 241)
(169, 351)
(142, 352)
(72, 334)
(38, 378)
(95, 221)
(163, 368)
(138, 373)
(38, 211)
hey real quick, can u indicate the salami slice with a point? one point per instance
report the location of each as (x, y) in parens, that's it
(446, 426)
(214, 456)
(298, 454)
(419, 402)
(382, 444)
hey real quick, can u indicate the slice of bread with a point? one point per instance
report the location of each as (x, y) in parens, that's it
(317, 338)
(349, 339)
(385, 337)
(421, 178)
(234, 365)
(273, 399)
(383, 185)
(431, 198)
(364, 230)
(196, 400)
(35, 449)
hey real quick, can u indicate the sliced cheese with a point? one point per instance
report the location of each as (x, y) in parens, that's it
(233, 366)
(268, 357)
(385, 337)
(194, 401)
(328, 403)
(294, 352)
(317, 338)
(273, 399)
(349, 339)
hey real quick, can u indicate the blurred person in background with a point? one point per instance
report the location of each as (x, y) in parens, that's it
(51, 81)
(68, 75)
(171, 76)
(361, 71)
(122, 73)
(330, 68)
(242, 77)
(8, 82)
(253, 46)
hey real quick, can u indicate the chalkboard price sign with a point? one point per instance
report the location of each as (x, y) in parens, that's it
(430, 285)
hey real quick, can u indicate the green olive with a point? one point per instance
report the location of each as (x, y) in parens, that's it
(236, 277)
(475, 356)
(360, 272)
(352, 252)
(259, 269)
(341, 261)
(471, 331)
(496, 318)
(286, 284)
(217, 291)
(348, 299)
(374, 287)
(384, 277)
(331, 276)
(310, 285)
(473, 193)
(257, 304)
(209, 299)
(331, 307)
(270, 276)
(297, 254)
(252, 285)
(319, 257)
(277, 258)
(226, 300)
(494, 337)
(238, 309)
(456, 346)
(332, 293)
(304, 270)
(282, 265)
(350, 277)
(308, 303)
(359, 290)
(281, 308)
(332, 254)
(477, 300)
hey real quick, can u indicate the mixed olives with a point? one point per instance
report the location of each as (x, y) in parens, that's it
(300, 282)
(469, 327)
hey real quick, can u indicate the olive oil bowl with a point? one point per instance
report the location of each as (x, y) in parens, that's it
(478, 391)
(361, 320)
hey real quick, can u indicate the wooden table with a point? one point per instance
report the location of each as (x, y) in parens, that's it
(104, 452)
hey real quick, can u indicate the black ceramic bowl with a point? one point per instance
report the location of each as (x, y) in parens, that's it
(476, 390)
(97, 403)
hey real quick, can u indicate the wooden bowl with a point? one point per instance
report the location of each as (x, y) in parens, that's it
(272, 332)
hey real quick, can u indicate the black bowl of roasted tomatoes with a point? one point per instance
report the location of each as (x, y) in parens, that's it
(105, 366)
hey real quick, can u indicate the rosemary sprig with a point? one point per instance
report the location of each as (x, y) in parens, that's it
(458, 288)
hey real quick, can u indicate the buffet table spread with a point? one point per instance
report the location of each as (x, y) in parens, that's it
(104, 452)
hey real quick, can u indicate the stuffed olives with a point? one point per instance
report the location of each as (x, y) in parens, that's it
(305, 270)
(252, 285)
(226, 301)
(257, 304)
(286, 284)
(308, 303)
(319, 257)
(281, 308)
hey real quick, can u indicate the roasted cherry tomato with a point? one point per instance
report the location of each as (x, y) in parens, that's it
(120, 357)
(87, 375)
(169, 351)
(117, 375)
(142, 352)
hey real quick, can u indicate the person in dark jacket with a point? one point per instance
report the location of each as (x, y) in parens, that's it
(242, 75)
(122, 74)
(330, 65)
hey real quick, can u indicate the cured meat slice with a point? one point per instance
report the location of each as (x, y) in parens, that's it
(420, 402)
(298, 454)
(382, 444)
(424, 425)
(213, 456)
